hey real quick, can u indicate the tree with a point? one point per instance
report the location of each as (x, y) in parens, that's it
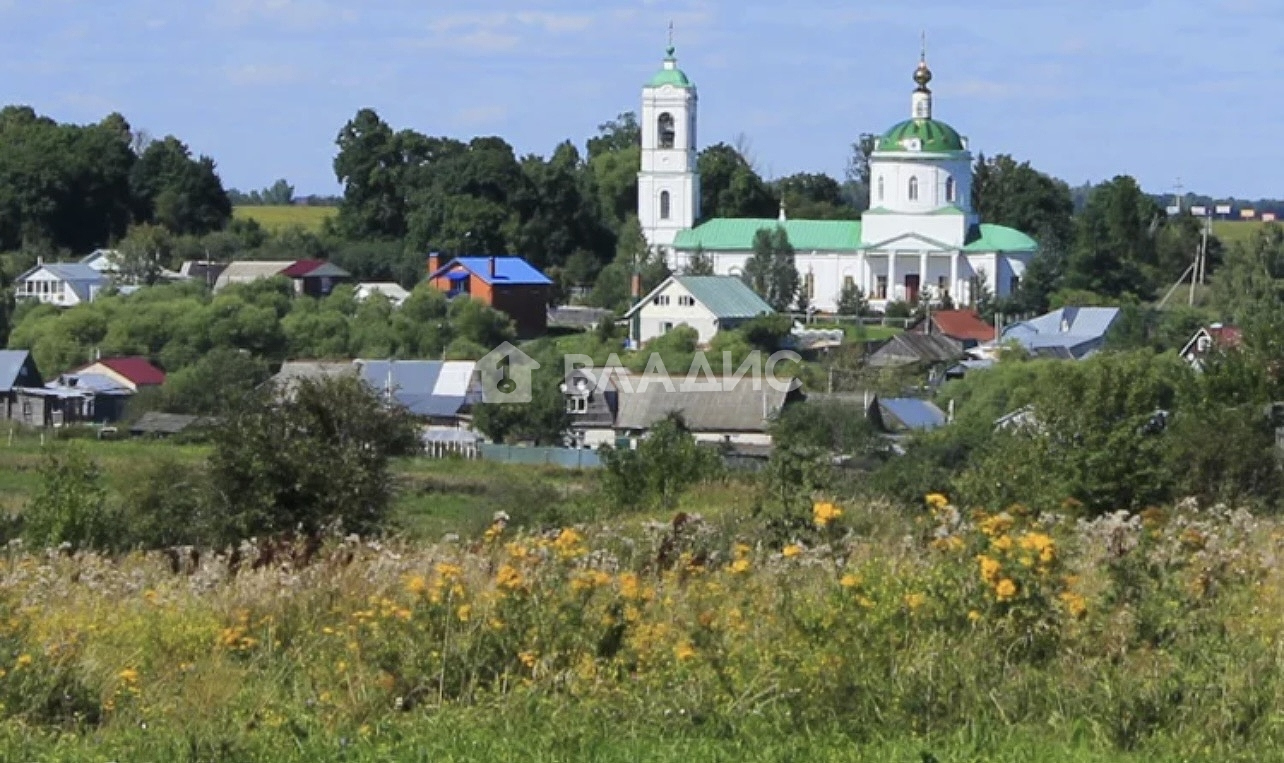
(699, 263)
(614, 284)
(70, 505)
(369, 165)
(310, 460)
(143, 253)
(851, 301)
(729, 187)
(857, 187)
(1019, 196)
(814, 196)
(175, 190)
(1114, 248)
(656, 473)
(542, 421)
(770, 270)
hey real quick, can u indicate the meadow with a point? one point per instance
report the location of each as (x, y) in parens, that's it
(560, 630)
(277, 218)
(1237, 231)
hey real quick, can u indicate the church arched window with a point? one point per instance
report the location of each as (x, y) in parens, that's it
(950, 192)
(664, 205)
(880, 188)
(667, 132)
(913, 189)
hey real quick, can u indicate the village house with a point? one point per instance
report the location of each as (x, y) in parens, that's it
(132, 373)
(107, 262)
(966, 327)
(1217, 337)
(909, 348)
(18, 372)
(1069, 333)
(62, 284)
(508, 284)
(313, 278)
(708, 304)
(395, 293)
(900, 416)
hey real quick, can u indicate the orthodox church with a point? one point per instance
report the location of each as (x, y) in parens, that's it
(920, 237)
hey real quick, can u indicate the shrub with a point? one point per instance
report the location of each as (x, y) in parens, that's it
(664, 464)
(70, 505)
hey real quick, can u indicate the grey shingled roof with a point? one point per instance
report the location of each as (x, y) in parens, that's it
(743, 406)
(909, 347)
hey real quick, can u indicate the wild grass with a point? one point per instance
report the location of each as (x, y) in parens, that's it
(275, 218)
(1237, 231)
(871, 634)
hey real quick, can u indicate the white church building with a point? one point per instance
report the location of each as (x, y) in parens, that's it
(920, 237)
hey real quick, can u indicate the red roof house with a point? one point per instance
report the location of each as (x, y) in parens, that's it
(965, 326)
(133, 372)
(1214, 337)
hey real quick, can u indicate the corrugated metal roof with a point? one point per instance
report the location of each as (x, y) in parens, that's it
(508, 270)
(11, 365)
(987, 237)
(737, 234)
(732, 407)
(89, 382)
(725, 296)
(247, 270)
(424, 387)
(914, 413)
(909, 347)
(1080, 330)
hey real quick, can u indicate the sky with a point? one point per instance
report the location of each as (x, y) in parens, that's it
(1178, 92)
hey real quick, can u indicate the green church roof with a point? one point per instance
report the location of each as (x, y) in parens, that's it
(934, 135)
(670, 74)
(998, 238)
(725, 234)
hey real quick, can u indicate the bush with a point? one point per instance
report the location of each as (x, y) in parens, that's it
(655, 474)
(71, 504)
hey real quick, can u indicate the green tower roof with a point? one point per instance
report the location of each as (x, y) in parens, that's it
(670, 74)
(933, 135)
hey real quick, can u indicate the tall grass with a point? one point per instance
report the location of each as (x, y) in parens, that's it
(275, 218)
(872, 635)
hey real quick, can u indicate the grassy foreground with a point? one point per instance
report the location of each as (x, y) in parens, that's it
(277, 218)
(870, 634)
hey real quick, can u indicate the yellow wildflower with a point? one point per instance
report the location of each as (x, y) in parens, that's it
(824, 512)
(850, 581)
(936, 501)
(569, 544)
(128, 675)
(464, 612)
(23, 660)
(996, 525)
(915, 600)
(1041, 544)
(1002, 543)
(629, 586)
(528, 658)
(684, 651)
(416, 584)
(948, 543)
(508, 577)
(449, 571)
(494, 531)
(742, 549)
(792, 550)
(325, 697)
(1075, 604)
(989, 569)
(1005, 590)
(740, 566)
(973, 616)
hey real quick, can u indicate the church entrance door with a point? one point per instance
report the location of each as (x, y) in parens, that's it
(911, 289)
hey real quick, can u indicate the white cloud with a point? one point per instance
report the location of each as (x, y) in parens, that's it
(263, 75)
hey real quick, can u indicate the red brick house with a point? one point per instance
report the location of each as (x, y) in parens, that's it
(507, 283)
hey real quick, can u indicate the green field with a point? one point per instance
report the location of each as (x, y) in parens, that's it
(1231, 231)
(282, 217)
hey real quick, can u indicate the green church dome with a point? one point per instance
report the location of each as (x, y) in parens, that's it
(670, 74)
(933, 135)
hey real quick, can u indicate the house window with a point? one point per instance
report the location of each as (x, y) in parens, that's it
(664, 205)
(666, 327)
(849, 283)
(667, 132)
(949, 189)
(880, 187)
(458, 287)
(662, 300)
(913, 189)
(577, 405)
(942, 286)
(1014, 283)
(686, 300)
(810, 285)
(880, 290)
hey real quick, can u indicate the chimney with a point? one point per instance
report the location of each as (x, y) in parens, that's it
(492, 267)
(434, 262)
(637, 286)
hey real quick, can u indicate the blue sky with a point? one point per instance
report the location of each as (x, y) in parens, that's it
(1084, 90)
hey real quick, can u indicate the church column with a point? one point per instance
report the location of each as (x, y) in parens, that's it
(922, 274)
(954, 277)
(891, 275)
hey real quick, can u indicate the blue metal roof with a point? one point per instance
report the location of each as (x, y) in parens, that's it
(424, 387)
(1080, 330)
(11, 364)
(914, 413)
(80, 277)
(508, 270)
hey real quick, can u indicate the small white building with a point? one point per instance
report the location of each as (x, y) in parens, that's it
(63, 284)
(394, 292)
(708, 304)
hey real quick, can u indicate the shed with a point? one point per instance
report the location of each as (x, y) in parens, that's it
(905, 414)
(157, 424)
(909, 348)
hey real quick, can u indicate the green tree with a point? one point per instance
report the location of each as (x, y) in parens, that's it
(542, 421)
(70, 504)
(851, 301)
(314, 459)
(857, 186)
(144, 251)
(814, 196)
(666, 463)
(632, 255)
(700, 263)
(729, 186)
(181, 193)
(770, 270)
(1114, 251)
(1005, 192)
(370, 167)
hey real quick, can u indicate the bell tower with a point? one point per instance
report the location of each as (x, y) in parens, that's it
(668, 180)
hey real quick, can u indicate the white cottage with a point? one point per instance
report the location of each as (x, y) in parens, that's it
(708, 304)
(63, 284)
